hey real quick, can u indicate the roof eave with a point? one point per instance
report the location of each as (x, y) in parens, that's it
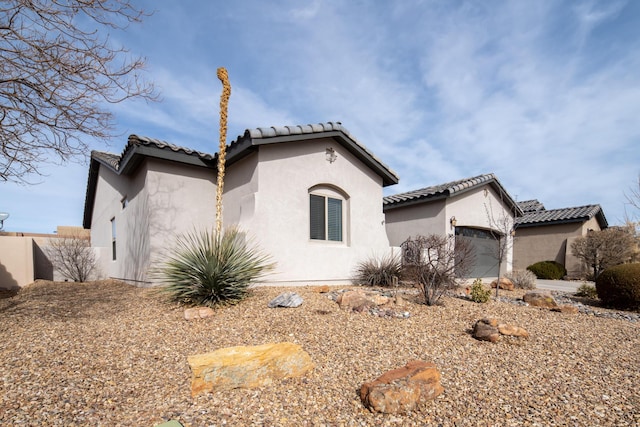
(248, 144)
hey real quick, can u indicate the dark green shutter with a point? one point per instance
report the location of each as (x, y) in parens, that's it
(316, 209)
(334, 213)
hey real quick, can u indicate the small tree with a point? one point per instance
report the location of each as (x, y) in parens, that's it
(503, 230)
(72, 256)
(434, 263)
(606, 248)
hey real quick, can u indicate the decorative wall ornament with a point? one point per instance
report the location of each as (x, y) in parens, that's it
(331, 155)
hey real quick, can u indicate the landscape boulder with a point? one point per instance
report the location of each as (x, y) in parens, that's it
(492, 330)
(321, 289)
(505, 284)
(286, 299)
(401, 390)
(198, 313)
(540, 299)
(486, 330)
(247, 367)
(355, 300)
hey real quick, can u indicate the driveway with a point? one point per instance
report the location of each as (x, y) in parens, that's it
(560, 285)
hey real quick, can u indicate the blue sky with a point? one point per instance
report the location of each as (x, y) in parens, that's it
(544, 94)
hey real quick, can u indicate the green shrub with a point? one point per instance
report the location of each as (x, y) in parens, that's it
(587, 291)
(478, 292)
(550, 270)
(619, 286)
(522, 279)
(205, 268)
(384, 271)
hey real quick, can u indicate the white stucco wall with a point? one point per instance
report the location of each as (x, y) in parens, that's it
(110, 189)
(284, 173)
(181, 199)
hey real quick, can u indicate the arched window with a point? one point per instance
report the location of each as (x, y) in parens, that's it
(327, 213)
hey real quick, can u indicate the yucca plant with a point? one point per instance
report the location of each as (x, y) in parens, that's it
(207, 268)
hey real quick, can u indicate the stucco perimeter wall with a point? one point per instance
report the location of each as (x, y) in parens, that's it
(287, 172)
(420, 219)
(544, 243)
(16, 261)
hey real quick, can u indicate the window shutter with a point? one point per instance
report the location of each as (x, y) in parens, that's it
(334, 225)
(316, 209)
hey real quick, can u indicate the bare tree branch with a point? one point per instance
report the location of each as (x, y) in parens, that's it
(434, 263)
(73, 257)
(57, 72)
(607, 248)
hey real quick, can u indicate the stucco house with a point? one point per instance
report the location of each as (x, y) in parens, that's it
(310, 196)
(478, 208)
(547, 235)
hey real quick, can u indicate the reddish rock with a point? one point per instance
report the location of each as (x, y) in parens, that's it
(198, 313)
(540, 299)
(355, 300)
(321, 289)
(486, 330)
(400, 390)
(492, 330)
(505, 284)
(511, 330)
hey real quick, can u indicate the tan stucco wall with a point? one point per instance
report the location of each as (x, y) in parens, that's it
(16, 261)
(551, 243)
(23, 256)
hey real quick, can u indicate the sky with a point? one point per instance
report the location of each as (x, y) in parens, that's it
(544, 94)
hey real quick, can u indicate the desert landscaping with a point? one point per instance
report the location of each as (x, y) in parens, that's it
(110, 354)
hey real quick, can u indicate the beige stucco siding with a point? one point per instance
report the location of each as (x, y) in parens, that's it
(469, 208)
(551, 243)
(287, 172)
(543, 243)
(164, 199)
(420, 219)
(180, 200)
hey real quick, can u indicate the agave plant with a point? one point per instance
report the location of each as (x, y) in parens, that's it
(207, 268)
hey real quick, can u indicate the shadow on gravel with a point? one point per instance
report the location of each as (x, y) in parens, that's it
(64, 300)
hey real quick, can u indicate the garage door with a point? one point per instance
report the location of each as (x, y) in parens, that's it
(485, 247)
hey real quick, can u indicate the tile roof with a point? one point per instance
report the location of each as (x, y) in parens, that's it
(564, 215)
(135, 142)
(531, 205)
(447, 190)
(140, 146)
(252, 138)
(107, 158)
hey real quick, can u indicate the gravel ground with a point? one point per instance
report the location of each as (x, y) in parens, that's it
(108, 354)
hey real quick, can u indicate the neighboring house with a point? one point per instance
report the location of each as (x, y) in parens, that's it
(547, 235)
(478, 208)
(310, 196)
